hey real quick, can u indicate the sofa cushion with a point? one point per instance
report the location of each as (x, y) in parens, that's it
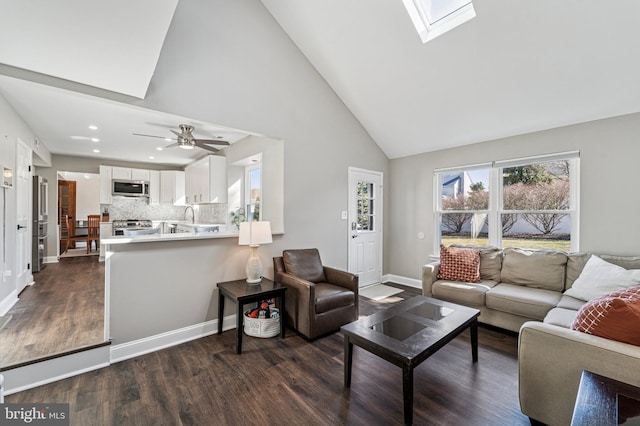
(464, 293)
(520, 300)
(490, 261)
(614, 316)
(599, 277)
(543, 269)
(561, 317)
(458, 264)
(329, 297)
(568, 302)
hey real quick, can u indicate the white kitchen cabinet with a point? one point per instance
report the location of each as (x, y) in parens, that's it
(126, 173)
(154, 187)
(123, 173)
(206, 180)
(172, 187)
(141, 174)
(105, 184)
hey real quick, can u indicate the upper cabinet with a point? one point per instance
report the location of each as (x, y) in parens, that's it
(206, 180)
(126, 173)
(105, 184)
(172, 186)
(154, 186)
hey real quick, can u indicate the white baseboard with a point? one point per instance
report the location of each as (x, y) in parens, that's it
(409, 282)
(51, 259)
(8, 302)
(43, 372)
(170, 338)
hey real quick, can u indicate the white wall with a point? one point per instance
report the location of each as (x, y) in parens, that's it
(12, 128)
(245, 72)
(609, 152)
(87, 193)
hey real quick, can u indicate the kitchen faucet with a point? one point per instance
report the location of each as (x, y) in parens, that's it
(193, 214)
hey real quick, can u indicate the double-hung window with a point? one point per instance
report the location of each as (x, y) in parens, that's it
(528, 202)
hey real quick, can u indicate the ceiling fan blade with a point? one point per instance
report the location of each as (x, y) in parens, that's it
(172, 145)
(149, 136)
(176, 133)
(213, 142)
(208, 148)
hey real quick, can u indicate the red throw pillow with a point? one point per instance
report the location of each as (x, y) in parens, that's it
(458, 264)
(614, 316)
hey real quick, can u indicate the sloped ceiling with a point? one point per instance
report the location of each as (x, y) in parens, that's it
(517, 67)
(113, 45)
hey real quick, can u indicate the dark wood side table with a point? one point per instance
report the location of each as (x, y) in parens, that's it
(244, 293)
(604, 401)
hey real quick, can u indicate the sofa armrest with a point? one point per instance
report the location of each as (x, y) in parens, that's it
(429, 276)
(550, 363)
(341, 278)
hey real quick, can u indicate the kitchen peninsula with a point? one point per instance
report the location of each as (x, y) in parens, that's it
(161, 288)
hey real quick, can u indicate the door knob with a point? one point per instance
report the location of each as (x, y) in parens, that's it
(354, 236)
(21, 227)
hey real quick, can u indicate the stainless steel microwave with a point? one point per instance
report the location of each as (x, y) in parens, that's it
(130, 188)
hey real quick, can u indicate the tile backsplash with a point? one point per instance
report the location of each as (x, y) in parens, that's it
(137, 208)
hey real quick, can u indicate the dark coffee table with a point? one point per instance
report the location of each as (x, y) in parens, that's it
(408, 333)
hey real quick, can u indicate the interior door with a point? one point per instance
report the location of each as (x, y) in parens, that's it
(24, 189)
(365, 225)
(67, 206)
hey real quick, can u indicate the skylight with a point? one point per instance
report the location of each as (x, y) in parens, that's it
(435, 17)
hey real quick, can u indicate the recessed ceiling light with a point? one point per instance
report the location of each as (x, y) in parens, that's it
(92, 127)
(167, 139)
(80, 138)
(159, 148)
(151, 157)
(95, 140)
(96, 151)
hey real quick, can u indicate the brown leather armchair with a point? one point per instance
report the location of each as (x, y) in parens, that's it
(319, 299)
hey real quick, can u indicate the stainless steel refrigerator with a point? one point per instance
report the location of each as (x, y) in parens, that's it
(39, 222)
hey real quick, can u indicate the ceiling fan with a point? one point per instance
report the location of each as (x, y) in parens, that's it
(186, 140)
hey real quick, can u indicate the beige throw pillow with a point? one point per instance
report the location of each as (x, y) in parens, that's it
(599, 277)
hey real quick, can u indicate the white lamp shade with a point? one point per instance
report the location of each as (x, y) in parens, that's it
(255, 233)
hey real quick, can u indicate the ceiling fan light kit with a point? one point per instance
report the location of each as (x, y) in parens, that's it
(186, 140)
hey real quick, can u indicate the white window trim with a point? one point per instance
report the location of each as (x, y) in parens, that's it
(495, 195)
(427, 30)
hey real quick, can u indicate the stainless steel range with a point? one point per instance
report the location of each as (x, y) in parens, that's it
(134, 227)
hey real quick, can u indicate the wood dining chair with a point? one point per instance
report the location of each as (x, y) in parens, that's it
(93, 231)
(65, 237)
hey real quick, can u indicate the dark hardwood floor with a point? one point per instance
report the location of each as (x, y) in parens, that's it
(62, 311)
(292, 382)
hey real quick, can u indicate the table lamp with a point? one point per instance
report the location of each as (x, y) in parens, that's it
(253, 234)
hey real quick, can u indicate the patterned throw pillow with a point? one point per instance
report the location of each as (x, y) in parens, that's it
(614, 316)
(458, 264)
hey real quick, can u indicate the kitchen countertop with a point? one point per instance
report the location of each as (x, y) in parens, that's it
(181, 236)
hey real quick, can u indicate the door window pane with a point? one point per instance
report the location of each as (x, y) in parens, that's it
(365, 207)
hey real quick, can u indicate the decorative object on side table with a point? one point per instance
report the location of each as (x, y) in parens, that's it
(253, 234)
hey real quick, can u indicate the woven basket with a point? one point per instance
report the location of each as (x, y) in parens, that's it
(261, 327)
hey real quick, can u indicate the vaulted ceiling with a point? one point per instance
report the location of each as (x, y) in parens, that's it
(517, 67)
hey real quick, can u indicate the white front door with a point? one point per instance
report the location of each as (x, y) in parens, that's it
(365, 225)
(23, 216)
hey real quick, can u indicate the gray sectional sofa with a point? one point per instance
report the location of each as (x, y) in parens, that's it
(523, 291)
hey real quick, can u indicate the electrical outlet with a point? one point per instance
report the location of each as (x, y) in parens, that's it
(344, 215)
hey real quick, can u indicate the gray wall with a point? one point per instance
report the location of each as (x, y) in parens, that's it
(609, 176)
(244, 72)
